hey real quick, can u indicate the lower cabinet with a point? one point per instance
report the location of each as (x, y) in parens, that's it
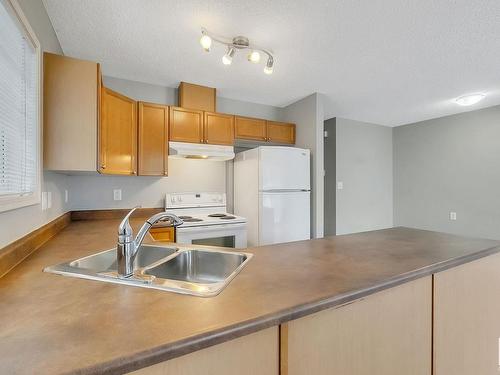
(163, 234)
(256, 353)
(387, 333)
(467, 318)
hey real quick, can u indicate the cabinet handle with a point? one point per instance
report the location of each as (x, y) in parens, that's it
(103, 166)
(201, 141)
(269, 139)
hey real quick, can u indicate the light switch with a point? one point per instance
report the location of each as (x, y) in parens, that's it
(453, 215)
(340, 185)
(66, 196)
(49, 199)
(117, 194)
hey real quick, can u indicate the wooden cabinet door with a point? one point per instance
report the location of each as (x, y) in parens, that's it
(186, 125)
(71, 91)
(117, 134)
(387, 333)
(250, 128)
(218, 128)
(466, 318)
(164, 234)
(153, 139)
(280, 132)
(256, 353)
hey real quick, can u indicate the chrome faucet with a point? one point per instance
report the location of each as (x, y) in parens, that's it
(127, 247)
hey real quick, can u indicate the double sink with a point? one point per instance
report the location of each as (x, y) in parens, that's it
(203, 272)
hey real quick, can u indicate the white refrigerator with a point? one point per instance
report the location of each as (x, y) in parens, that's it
(272, 191)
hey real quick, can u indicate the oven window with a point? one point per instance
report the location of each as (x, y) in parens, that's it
(227, 241)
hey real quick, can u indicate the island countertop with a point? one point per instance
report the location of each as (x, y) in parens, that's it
(51, 324)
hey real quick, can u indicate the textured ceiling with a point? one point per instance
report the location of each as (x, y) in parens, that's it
(389, 62)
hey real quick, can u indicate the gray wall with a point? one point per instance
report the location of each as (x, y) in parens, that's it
(330, 177)
(17, 223)
(449, 164)
(308, 115)
(364, 165)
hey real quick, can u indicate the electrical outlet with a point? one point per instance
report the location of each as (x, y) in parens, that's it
(49, 199)
(453, 215)
(117, 194)
(44, 200)
(66, 196)
(340, 185)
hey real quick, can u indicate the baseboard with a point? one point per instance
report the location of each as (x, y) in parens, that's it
(15, 252)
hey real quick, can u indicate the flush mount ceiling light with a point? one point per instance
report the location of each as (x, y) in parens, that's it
(470, 99)
(234, 44)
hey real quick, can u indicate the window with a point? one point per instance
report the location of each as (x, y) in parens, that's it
(19, 109)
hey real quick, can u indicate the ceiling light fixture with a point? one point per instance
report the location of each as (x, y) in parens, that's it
(227, 59)
(469, 99)
(206, 42)
(234, 44)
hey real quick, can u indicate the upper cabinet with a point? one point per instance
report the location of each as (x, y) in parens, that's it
(218, 128)
(197, 97)
(153, 139)
(250, 128)
(280, 132)
(70, 113)
(261, 130)
(186, 125)
(117, 134)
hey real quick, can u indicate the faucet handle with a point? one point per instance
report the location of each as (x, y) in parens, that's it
(125, 233)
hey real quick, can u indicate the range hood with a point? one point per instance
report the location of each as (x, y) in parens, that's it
(182, 150)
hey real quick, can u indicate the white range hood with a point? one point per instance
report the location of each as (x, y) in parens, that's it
(183, 150)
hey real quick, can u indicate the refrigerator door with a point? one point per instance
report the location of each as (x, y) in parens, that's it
(284, 168)
(284, 217)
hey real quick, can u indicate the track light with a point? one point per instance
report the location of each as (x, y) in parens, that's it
(268, 69)
(254, 57)
(237, 43)
(227, 59)
(206, 42)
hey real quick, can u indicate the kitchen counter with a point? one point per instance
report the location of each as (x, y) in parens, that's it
(51, 324)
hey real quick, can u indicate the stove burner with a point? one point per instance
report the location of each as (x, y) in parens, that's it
(217, 215)
(185, 217)
(228, 217)
(192, 220)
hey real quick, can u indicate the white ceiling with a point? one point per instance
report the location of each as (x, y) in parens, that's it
(389, 62)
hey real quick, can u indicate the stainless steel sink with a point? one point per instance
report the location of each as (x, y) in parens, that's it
(201, 272)
(199, 266)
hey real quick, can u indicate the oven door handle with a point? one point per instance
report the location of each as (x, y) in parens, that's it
(210, 227)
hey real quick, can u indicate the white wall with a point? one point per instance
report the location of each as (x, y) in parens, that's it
(364, 165)
(307, 114)
(17, 223)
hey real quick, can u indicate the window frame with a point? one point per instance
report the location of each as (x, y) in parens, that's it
(8, 203)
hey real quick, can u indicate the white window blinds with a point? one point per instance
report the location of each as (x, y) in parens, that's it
(19, 123)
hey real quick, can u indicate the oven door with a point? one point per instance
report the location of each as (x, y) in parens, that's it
(224, 235)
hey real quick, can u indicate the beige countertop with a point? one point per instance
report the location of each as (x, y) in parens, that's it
(51, 324)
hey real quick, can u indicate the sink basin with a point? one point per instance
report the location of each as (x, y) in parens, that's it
(106, 260)
(199, 266)
(199, 272)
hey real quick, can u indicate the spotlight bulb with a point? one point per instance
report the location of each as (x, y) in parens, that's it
(206, 42)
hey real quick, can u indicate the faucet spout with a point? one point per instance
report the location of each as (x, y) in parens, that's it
(127, 247)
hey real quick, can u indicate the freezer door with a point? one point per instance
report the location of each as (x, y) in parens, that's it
(284, 217)
(284, 168)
